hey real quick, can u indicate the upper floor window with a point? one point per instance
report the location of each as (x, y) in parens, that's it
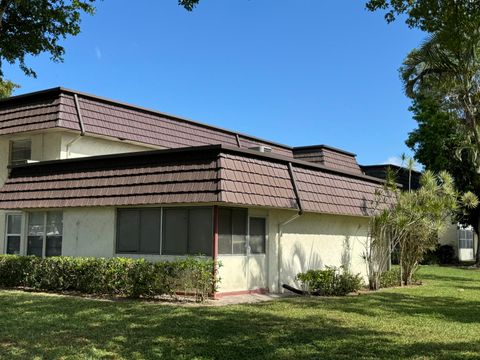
(20, 151)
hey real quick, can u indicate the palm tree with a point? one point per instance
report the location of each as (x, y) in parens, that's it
(448, 63)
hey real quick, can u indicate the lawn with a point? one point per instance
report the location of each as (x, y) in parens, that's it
(439, 320)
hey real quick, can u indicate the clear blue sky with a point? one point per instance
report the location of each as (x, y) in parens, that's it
(299, 72)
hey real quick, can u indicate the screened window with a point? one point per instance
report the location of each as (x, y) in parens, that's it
(180, 231)
(20, 151)
(465, 238)
(187, 231)
(45, 233)
(13, 235)
(232, 231)
(258, 235)
(138, 231)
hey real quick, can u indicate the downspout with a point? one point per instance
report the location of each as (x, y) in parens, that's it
(80, 123)
(282, 224)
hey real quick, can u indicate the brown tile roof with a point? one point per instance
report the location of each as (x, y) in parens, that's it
(55, 108)
(328, 156)
(213, 174)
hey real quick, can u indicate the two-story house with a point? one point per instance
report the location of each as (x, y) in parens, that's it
(82, 175)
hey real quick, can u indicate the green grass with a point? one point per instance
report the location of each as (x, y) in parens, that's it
(439, 320)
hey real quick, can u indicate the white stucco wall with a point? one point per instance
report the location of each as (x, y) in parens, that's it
(89, 232)
(73, 146)
(312, 241)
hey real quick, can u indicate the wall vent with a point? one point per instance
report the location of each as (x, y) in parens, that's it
(262, 148)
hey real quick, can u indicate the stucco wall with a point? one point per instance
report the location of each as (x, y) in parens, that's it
(314, 241)
(88, 232)
(74, 146)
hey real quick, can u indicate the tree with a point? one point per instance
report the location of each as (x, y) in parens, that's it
(438, 142)
(32, 27)
(442, 77)
(429, 15)
(416, 219)
(446, 72)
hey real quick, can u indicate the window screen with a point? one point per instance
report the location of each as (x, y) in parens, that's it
(257, 238)
(138, 231)
(187, 231)
(45, 233)
(128, 230)
(465, 240)
(54, 234)
(20, 151)
(36, 233)
(200, 231)
(14, 230)
(232, 231)
(175, 232)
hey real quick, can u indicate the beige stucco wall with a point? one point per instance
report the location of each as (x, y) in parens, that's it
(314, 241)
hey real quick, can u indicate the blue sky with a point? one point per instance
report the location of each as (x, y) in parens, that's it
(298, 72)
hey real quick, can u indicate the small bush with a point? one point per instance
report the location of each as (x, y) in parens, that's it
(391, 278)
(329, 282)
(114, 276)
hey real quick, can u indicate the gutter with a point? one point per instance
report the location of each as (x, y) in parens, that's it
(284, 223)
(80, 123)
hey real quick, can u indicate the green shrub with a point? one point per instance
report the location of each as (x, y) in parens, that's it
(391, 278)
(330, 282)
(114, 276)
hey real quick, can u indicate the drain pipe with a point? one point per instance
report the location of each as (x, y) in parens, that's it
(282, 224)
(80, 123)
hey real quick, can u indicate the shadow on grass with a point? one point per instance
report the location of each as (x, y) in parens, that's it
(382, 325)
(58, 327)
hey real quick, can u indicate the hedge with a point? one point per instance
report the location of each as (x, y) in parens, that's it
(123, 277)
(329, 282)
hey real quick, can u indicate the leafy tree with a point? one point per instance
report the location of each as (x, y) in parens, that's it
(439, 143)
(429, 15)
(32, 27)
(414, 221)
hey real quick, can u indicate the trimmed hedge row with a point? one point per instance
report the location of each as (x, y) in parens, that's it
(113, 276)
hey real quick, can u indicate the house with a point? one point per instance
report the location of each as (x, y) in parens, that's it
(82, 175)
(462, 239)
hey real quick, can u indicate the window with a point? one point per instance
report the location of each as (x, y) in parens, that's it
(20, 151)
(138, 231)
(45, 233)
(465, 238)
(14, 233)
(232, 231)
(181, 231)
(187, 231)
(258, 235)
